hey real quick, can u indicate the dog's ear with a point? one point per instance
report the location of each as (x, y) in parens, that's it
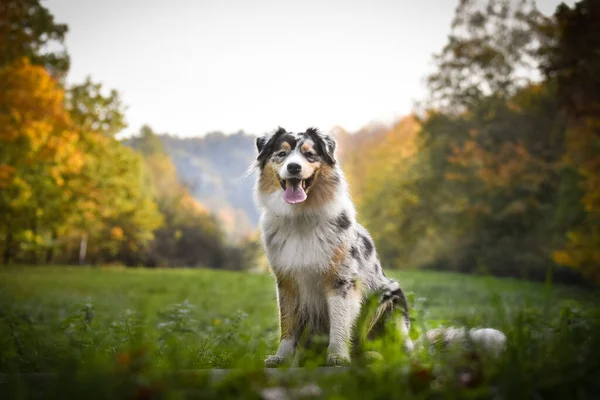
(325, 143)
(330, 149)
(260, 143)
(264, 145)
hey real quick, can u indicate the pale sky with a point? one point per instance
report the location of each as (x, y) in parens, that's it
(189, 67)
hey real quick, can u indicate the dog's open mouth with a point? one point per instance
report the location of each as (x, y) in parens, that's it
(294, 189)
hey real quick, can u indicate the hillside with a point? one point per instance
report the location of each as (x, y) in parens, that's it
(212, 166)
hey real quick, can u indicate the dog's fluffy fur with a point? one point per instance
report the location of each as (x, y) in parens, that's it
(324, 261)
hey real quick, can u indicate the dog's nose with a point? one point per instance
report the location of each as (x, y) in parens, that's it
(294, 168)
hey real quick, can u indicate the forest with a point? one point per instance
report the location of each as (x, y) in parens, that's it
(497, 170)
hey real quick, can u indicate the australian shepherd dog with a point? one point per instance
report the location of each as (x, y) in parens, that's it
(325, 263)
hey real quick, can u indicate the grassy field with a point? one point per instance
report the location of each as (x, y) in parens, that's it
(121, 333)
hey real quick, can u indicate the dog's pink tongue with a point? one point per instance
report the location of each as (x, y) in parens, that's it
(294, 195)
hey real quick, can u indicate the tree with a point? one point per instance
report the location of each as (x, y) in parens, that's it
(92, 111)
(28, 30)
(38, 150)
(114, 214)
(190, 235)
(574, 63)
(481, 184)
(491, 50)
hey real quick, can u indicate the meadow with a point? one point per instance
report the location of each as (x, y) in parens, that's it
(132, 333)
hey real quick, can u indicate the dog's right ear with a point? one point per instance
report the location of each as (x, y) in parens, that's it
(264, 145)
(260, 143)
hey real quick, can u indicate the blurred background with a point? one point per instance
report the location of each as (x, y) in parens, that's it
(469, 130)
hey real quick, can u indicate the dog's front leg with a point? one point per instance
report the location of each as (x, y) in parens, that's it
(343, 304)
(287, 297)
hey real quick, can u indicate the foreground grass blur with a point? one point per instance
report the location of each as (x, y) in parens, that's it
(123, 332)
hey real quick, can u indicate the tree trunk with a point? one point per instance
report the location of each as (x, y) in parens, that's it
(83, 248)
(50, 252)
(9, 239)
(34, 249)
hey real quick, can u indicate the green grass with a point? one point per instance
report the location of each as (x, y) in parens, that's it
(122, 332)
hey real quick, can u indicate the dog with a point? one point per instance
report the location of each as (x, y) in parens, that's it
(325, 263)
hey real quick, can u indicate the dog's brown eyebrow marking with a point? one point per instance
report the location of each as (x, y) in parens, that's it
(286, 146)
(306, 147)
(289, 140)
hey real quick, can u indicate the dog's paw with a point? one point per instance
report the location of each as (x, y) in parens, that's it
(338, 360)
(273, 361)
(371, 357)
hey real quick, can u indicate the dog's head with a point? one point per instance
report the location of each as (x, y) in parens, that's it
(300, 167)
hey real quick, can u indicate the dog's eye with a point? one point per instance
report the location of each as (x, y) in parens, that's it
(309, 155)
(281, 154)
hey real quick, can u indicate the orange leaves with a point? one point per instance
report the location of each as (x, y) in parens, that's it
(31, 94)
(6, 174)
(582, 248)
(510, 167)
(583, 152)
(38, 148)
(116, 233)
(34, 126)
(387, 159)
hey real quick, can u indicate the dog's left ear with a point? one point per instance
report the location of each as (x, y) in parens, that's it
(325, 142)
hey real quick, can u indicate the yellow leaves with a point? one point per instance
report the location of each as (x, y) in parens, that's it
(21, 191)
(178, 234)
(55, 173)
(582, 251)
(562, 257)
(386, 160)
(376, 154)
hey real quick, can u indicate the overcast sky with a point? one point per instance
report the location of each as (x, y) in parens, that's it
(188, 67)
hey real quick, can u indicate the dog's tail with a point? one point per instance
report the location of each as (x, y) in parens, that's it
(491, 341)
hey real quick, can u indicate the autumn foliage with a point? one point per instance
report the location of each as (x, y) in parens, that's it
(70, 191)
(499, 171)
(496, 171)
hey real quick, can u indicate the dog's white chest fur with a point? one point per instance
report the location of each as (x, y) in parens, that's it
(298, 247)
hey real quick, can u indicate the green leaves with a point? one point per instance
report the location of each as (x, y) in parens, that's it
(28, 30)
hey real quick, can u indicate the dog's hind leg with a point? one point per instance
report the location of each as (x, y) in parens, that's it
(385, 313)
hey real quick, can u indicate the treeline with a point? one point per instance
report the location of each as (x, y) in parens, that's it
(499, 171)
(70, 192)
